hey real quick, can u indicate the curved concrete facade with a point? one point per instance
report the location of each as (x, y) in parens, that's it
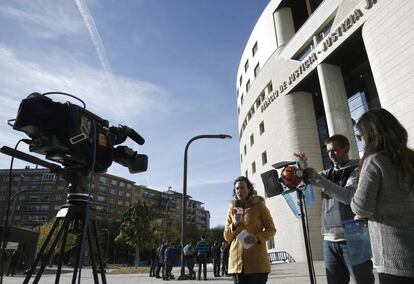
(290, 70)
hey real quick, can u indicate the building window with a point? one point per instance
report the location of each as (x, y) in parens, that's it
(241, 99)
(254, 167)
(246, 65)
(48, 178)
(241, 158)
(241, 80)
(113, 192)
(261, 127)
(269, 87)
(254, 49)
(271, 243)
(121, 193)
(245, 150)
(247, 86)
(246, 174)
(251, 140)
(256, 70)
(264, 158)
(120, 202)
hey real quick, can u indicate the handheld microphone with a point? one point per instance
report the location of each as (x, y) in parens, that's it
(238, 207)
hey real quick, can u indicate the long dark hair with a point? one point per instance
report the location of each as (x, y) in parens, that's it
(250, 186)
(382, 132)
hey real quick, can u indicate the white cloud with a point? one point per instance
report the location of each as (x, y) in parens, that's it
(122, 100)
(43, 18)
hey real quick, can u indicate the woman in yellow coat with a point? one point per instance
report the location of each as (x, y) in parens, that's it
(248, 214)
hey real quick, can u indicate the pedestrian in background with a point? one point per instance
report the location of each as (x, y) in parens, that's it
(215, 254)
(385, 195)
(224, 249)
(202, 249)
(189, 255)
(169, 261)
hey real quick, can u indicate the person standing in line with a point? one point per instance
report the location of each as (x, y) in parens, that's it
(202, 249)
(248, 265)
(224, 249)
(189, 255)
(169, 261)
(160, 255)
(14, 262)
(153, 261)
(338, 186)
(215, 253)
(385, 195)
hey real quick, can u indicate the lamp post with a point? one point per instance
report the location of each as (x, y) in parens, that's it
(184, 200)
(107, 246)
(166, 215)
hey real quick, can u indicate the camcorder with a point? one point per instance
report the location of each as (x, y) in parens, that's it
(75, 137)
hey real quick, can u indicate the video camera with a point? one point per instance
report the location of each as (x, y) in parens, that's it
(75, 137)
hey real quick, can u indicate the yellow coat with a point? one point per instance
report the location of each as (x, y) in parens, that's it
(257, 221)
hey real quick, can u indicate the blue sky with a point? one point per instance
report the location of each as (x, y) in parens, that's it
(166, 68)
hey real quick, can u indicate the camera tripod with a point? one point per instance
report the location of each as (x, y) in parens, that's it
(73, 213)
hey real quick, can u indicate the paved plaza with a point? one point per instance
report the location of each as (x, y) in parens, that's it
(283, 273)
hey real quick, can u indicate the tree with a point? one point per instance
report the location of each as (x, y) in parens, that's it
(44, 232)
(215, 234)
(135, 228)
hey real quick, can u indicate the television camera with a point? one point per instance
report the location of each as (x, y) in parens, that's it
(70, 134)
(83, 143)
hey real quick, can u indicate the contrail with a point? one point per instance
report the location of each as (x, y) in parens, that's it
(95, 36)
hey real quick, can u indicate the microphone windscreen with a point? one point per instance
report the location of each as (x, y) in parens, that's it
(238, 203)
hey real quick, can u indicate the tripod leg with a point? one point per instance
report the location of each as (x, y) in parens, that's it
(98, 250)
(41, 252)
(76, 267)
(52, 247)
(62, 251)
(92, 256)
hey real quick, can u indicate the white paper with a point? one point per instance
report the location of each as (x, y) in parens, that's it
(242, 236)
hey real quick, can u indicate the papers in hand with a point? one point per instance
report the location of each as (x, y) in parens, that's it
(242, 237)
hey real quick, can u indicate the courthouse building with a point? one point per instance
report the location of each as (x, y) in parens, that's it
(309, 70)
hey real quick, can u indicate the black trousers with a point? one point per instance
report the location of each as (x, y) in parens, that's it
(393, 279)
(202, 263)
(252, 278)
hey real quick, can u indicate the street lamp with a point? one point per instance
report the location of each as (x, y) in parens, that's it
(166, 215)
(107, 246)
(184, 200)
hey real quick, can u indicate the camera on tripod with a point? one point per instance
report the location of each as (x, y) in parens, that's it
(75, 137)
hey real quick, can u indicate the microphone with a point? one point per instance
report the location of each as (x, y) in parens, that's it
(238, 207)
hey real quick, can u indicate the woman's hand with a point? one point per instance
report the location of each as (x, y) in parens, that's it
(236, 217)
(301, 156)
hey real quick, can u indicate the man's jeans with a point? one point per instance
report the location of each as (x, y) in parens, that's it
(339, 268)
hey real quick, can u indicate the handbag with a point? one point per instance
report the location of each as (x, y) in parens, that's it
(358, 241)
